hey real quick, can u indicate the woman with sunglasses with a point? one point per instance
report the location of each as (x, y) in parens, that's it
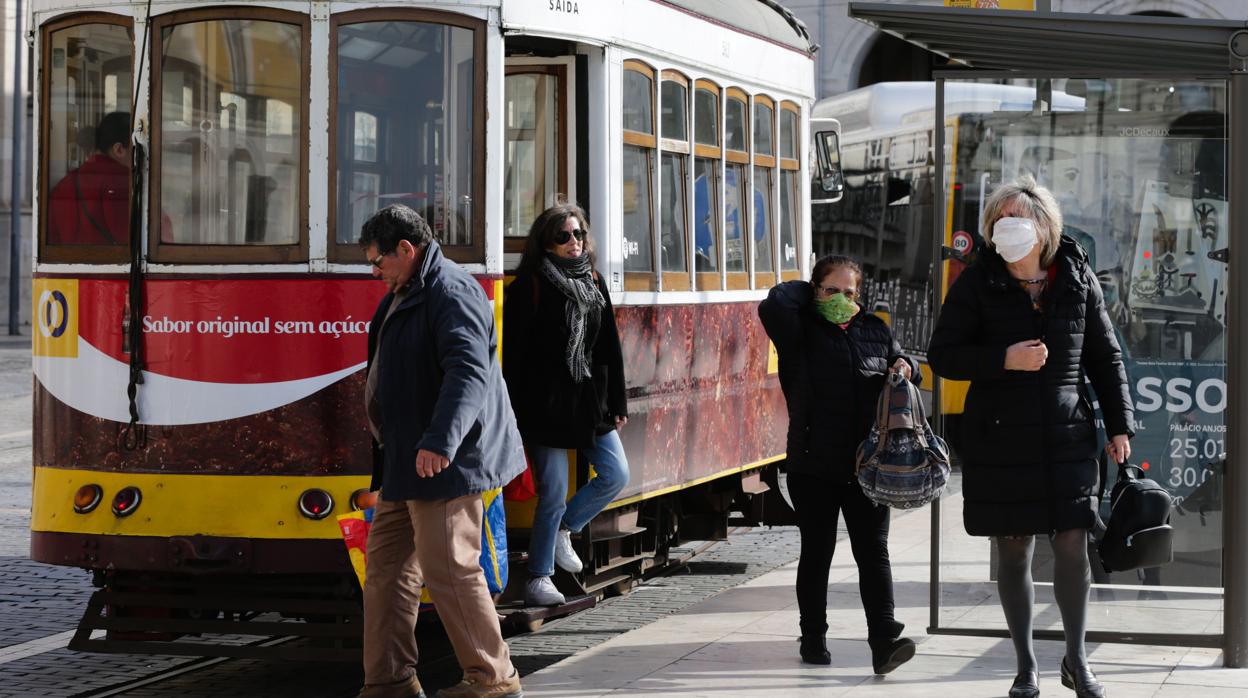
(565, 374)
(833, 360)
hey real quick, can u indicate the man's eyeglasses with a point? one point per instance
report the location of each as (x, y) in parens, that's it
(850, 293)
(563, 236)
(376, 262)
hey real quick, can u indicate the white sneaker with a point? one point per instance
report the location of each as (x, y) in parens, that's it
(565, 556)
(540, 591)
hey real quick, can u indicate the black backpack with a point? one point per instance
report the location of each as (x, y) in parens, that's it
(1138, 533)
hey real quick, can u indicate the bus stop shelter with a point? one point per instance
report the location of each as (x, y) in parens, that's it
(1152, 172)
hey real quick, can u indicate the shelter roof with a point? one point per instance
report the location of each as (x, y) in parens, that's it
(1059, 42)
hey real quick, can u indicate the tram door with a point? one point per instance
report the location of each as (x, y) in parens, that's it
(536, 154)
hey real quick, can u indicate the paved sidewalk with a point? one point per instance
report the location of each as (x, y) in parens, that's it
(742, 642)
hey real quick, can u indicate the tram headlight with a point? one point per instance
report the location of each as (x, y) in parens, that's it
(362, 499)
(126, 501)
(87, 498)
(315, 504)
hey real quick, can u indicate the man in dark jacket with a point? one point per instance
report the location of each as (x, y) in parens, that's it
(443, 433)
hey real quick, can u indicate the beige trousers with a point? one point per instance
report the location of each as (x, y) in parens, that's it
(437, 543)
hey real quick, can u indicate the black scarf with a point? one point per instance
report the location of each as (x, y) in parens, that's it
(575, 280)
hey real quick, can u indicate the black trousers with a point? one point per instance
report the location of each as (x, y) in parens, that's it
(817, 502)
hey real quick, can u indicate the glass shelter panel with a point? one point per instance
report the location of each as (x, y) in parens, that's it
(1138, 168)
(88, 135)
(231, 161)
(406, 125)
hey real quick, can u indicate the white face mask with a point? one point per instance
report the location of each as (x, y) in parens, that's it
(1013, 238)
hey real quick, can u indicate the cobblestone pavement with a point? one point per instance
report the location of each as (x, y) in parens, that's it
(40, 604)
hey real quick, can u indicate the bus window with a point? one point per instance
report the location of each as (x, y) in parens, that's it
(408, 125)
(673, 178)
(707, 231)
(638, 167)
(736, 207)
(763, 237)
(86, 145)
(790, 171)
(228, 163)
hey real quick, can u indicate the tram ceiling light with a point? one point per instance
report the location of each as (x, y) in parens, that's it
(315, 504)
(126, 501)
(87, 498)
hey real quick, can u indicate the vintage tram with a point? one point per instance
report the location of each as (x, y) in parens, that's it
(201, 304)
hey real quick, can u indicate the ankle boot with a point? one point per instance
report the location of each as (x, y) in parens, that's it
(887, 655)
(1082, 680)
(814, 649)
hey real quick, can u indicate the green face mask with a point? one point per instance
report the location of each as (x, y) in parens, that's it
(837, 308)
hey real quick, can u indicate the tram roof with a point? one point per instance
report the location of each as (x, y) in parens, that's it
(1063, 43)
(766, 18)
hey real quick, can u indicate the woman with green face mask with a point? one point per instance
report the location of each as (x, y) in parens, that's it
(833, 360)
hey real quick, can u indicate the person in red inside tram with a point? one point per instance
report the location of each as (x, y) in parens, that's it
(1024, 324)
(833, 360)
(443, 433)
(91, 204)
(565, 375)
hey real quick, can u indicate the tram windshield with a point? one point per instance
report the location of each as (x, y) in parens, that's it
(88, 77)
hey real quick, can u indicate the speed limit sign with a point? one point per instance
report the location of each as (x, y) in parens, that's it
(962, 242)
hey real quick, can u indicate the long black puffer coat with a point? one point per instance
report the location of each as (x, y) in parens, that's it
(831, 378)
(552, 410)
(1029, 445)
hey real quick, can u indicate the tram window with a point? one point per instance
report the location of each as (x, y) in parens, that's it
(706, 116)
(736, 187)
(675, 111)
(762, 238)
(638, 222)
(790, 171)
(706, 232)
(87, 78)
(788, 221)
(707, 197)
(408, 127)
(763, 143)
(638, 99)
(736, 211)
(672, 214)
(736, 123)
(640, 146)
(229, 167)
(534, 171)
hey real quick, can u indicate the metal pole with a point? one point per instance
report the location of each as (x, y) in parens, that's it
(938, 237)
(15, 176)
(1235, 482)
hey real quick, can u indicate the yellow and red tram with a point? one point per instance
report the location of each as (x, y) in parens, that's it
(197, 411)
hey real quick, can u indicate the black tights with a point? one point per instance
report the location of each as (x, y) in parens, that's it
(1072, 578)
(817, 502)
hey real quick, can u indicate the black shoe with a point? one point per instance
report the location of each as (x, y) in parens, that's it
(1082, 681)
(1026, 685)
(815, 649)
(887, 655)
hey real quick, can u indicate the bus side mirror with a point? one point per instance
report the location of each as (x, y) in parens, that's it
(828, 175)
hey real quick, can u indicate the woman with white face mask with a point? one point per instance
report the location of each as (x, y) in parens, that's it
(1024, 324)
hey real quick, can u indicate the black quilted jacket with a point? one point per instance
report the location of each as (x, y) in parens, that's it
(831, 378)
(1028, 441)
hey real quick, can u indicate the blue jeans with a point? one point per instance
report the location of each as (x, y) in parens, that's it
(550, 470)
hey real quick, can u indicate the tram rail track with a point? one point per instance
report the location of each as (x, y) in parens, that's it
(441, 667)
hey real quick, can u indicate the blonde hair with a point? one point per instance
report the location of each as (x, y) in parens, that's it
(1036, 203)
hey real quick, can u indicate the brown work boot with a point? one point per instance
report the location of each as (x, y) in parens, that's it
(469, 688)
(407, 688)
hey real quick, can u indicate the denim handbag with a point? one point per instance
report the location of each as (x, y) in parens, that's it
(902, 463)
